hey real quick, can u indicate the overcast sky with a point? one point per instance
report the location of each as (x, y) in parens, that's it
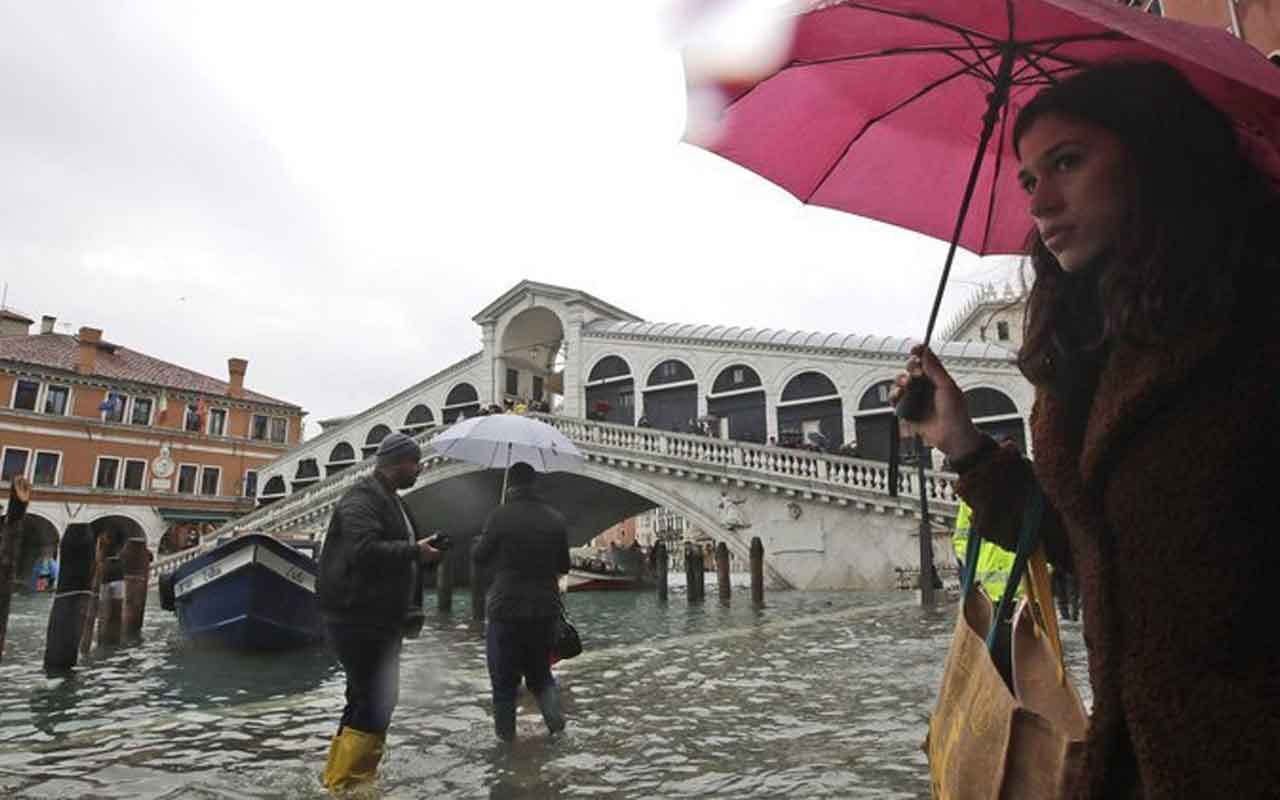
(333, 190)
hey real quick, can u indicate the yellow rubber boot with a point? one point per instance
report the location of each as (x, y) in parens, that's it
(353, 758)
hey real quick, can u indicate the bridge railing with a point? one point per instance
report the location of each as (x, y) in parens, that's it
(841, 471)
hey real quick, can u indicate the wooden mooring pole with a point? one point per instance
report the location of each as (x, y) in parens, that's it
(660, 569)
(444, 582)
(722, 573)
(90, 620)
(757, 572)
(10, 539)
(70, 600)
(111, 600)
(137, 570)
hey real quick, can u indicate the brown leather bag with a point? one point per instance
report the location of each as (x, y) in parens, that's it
(988, 741)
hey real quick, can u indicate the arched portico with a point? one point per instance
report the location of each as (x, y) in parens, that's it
(39, 540)
(529, 365)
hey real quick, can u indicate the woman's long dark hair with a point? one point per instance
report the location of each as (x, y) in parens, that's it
(1202, 221)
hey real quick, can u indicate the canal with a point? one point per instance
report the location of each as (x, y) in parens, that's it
(818, 695)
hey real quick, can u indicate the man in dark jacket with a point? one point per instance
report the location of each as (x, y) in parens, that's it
(369, 578)
(526, 542)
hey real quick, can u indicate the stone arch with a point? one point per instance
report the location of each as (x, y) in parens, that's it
(341, 456)
(737, 399)
(37, 542)
(996, 414)
(671, 394)
(810, 403)
(531, 355)
(272, 490)
(462, 401)
(874, 421)
(688, 509)
(610, 391)
(305, 473)
(373, 438)
(418, 420)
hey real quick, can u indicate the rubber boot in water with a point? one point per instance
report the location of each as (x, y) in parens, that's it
(504, 720)
(353, 758)
(549, 703)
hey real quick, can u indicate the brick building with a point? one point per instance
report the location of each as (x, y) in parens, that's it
(124, 441)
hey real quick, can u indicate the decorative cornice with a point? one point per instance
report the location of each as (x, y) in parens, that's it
(570, 297)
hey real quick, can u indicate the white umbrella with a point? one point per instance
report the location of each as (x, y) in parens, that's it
(500, 440)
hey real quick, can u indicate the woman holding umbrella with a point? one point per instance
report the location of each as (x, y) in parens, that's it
(1150, 344)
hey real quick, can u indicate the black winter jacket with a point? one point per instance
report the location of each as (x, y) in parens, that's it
(367, 562)
(526, 544)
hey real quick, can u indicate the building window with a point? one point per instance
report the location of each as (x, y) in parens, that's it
(279, 426)
(141, 411)
(14, 463)
(55, 400)
(112, 408)
(187, 474)
(1002, 331)
(251, 484)
(46, 468)
(25, 394)
(258, 430)
(739, 376)
(217, 422)
(537, 387)
(135, 472)
(107, 474)
(191, 420)
(513, 382)
(210, 477)
(627, 400)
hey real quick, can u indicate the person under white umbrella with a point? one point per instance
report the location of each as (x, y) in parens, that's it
(499, 440)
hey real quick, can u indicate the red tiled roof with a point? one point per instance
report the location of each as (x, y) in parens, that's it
(58, 351)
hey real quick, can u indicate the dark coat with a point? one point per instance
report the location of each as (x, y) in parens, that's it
(1168, 511)
(367, 563)
(525, 543)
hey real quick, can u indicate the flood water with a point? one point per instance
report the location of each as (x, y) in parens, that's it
(817, 695)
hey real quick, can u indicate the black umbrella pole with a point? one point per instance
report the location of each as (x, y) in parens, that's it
(926, 533)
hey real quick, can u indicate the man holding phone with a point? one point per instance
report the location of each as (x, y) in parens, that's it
(369, 586)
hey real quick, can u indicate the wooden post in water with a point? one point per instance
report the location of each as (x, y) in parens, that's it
(111, 599)
(71, 599)
(10, 538)
(477, 585)
(757, 572)
(444, 582)
(660, 569)
(722, 573)
(95, 588)
(699, 574)
(137, 569)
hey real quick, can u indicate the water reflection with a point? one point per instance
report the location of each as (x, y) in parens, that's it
(818, 695)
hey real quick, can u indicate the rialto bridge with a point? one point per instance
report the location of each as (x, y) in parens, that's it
(627, 391)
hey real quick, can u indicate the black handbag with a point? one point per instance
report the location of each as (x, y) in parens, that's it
(567, 643)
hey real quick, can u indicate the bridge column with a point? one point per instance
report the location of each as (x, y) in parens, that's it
(573, 371)
(488, 387)
(770, 416)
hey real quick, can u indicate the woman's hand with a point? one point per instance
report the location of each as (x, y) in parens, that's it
(947, 425)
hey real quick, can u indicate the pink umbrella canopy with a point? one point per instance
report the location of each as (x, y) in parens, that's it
(877, 106)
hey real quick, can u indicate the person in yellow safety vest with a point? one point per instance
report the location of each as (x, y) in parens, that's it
(994, 562)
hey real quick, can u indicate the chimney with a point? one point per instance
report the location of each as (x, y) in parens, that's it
(46, 323)
(236, 367)
(89, 339)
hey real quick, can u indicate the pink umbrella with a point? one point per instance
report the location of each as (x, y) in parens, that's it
(898, 110)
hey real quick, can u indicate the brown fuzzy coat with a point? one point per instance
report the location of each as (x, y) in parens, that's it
(1169, 512)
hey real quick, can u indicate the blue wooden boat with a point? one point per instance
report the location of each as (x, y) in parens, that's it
(252, 592)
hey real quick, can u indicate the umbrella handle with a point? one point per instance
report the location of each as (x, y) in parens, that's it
(506, 471)
(916, 401)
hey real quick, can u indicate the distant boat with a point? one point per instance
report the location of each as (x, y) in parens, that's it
(592, 570)
(252, 592)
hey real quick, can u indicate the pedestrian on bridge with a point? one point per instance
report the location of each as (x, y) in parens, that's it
(369, 578)
(1151, 344)
(526, 542)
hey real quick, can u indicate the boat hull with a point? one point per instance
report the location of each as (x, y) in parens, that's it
(253, 593)
(585, 581)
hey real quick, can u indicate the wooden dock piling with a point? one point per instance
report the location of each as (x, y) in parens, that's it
(757, 572)
(137, 570)
(10, 540)
(70, 599)
(723, 586)
(660, 569)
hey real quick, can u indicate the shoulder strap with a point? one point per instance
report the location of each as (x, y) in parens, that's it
(1028, 541)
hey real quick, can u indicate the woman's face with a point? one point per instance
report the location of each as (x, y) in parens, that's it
(1076, 176)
